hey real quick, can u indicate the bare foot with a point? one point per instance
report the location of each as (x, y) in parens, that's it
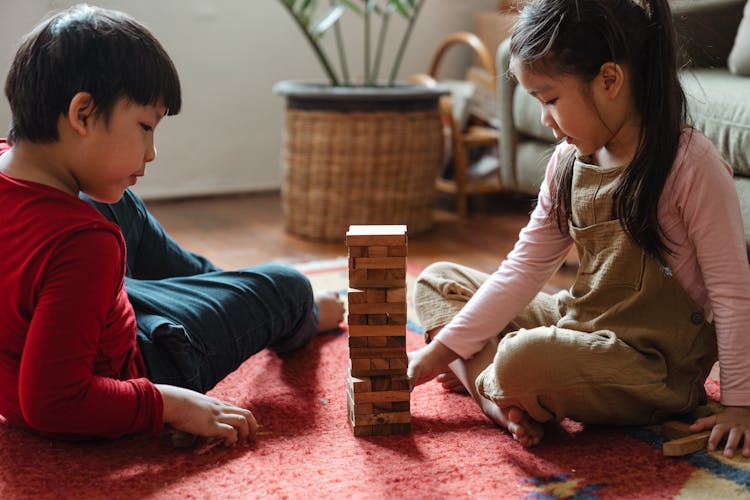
(330, 310)
(523, 428)
(451, 383)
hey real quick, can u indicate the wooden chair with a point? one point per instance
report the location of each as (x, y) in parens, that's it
(464, 139)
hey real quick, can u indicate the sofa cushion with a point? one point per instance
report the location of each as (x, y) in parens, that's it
(739, 57)
(718, 105)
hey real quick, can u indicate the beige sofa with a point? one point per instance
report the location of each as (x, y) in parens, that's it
(718, 101)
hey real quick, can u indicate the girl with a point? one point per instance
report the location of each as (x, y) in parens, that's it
(654, 215)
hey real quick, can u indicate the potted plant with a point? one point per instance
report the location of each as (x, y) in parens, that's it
(358, 152)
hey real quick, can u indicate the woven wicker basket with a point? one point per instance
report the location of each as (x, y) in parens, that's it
(359, 165)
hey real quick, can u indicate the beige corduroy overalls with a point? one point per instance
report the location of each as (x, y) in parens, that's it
(625, 345)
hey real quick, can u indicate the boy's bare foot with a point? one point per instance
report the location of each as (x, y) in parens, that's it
(330, 310)
(523, 428)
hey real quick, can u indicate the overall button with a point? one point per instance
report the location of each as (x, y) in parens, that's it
(697, 318)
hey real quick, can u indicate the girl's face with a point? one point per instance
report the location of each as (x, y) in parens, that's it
(571, 108)
(117, 151)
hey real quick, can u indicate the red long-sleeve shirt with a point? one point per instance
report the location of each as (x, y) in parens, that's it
(69, 360)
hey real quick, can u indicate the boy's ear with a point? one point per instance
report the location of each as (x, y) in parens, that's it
(612, 78)
(80, 112)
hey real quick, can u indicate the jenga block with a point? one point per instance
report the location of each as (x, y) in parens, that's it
(674, 429)
(400, 406)
(359, 366)
(376, 295)
(398, 363)
(395, 295)
(364, 330)
(379, 263)
(376, 341)
(681, 446)
(373, 235)
(395, 308)
(377, 352)
(355, 251)
(399, 417)
(377, 251)
(398, 383)
(395, 274)
(397, 251)
(381, 396)
(396, 319)
(355, 296)
(377, 319)
(374, 275)
(374, 369)
(382, 407)
(360, 341)
(356, 275)
(363, 384)
(381, 383)
(404, 428)
(392, 341)
(356, 319)
(379, 364)
(362, 430)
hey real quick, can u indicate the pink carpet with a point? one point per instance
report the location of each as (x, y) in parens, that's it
(305, 448)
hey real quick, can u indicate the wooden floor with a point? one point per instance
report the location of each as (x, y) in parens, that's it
(242, 230)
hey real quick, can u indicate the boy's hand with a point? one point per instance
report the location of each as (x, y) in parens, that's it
(427, 362)
(733, 424)
(198, 414)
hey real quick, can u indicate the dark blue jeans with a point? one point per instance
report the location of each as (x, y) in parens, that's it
(197, 323)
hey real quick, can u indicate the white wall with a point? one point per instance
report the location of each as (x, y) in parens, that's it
(229, 53)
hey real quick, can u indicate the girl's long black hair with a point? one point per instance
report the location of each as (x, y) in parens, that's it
(576, 37)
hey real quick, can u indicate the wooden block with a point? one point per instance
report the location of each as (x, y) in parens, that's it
(397, 251)
(356, 275)
(377, 251)
(382, 383)
(396, 274)
(378, 341)
(355, 251)
(389, 353)
(364, 330)
(369, 282)
(360, 341)
(356, 319)
(363, 384)
(368, 263)
(362, 430)
(397, 417)
(355, 296)
(381, 396)
(377, 319)
(374, 235)
(396, 295)
(684, 445)
(359, 366)
(383, 407)
(393, 341)
(398, 383)
(674, 429)
(401, 406)
(379, 364)
(398, 364)
(397, 319)
(375, 275)
(404, 428)
(376, 295)
(393, 308)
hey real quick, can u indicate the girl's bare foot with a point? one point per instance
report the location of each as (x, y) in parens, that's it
(330, 310)
(523, 428)
(451, 383)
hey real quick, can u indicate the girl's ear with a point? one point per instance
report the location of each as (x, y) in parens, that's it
(80, 111)
(611, 78)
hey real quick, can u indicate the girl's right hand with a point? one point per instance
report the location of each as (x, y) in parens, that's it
(202, 415)
(427, 362)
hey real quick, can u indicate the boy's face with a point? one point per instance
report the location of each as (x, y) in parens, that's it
(116, 152)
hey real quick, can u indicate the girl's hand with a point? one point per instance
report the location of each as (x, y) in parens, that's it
(733, 424)
(427, 362)
(201, 415)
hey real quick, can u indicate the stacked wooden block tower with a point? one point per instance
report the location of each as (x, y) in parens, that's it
(377, 389)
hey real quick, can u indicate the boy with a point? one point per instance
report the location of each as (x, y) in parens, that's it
(80, 355)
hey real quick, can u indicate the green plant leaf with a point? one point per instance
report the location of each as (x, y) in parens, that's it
(352, 6)
(399, 6)
(328, 20)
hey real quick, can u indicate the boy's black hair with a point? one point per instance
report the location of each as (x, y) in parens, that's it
(577, 37)
(86, 49)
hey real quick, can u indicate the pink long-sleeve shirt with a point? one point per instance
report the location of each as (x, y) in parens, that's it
(698, 211)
